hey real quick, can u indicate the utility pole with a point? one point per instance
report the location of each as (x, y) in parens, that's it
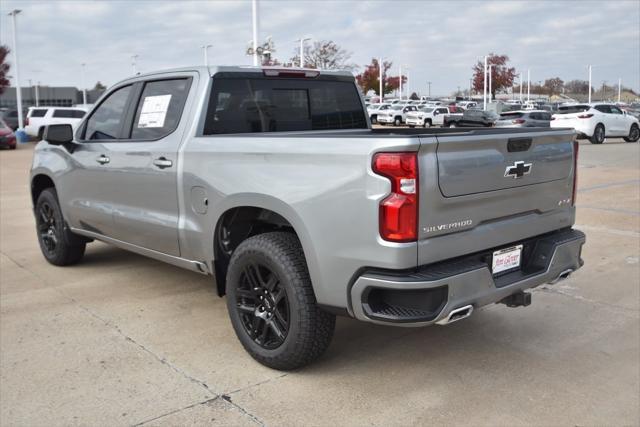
(133, 64)
(254, 10)
(604, 90)
(84, 87)
(37, 94)
(589, 83)
(13, 15)
(470, 88)
(528, 84)
(205, 48)
(380, 71)
(429, 83)
(407, 85)
(302, 40)
(400, 73)
(484, 91)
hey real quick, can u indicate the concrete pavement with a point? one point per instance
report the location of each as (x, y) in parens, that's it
(124, 340)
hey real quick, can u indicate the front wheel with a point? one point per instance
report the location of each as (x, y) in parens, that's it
(374, 120)
(453, 125)
(397, 121)
(634, 134)
(598, 135)
(58, 245)
(271, 302)
(427, 123)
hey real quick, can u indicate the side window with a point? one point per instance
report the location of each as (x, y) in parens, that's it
(38, 113)
(106, 120)
(442, 110)
(615, 110)
(160, 108)
(603, 108)
(68, 114)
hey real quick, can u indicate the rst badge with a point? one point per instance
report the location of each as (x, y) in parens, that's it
(518, 170)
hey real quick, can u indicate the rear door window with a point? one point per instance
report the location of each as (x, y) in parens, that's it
(245, 105)
(107, 120)
(160, 108)
(615, 110)
(603, 108)
(570, 109)
(41, 112)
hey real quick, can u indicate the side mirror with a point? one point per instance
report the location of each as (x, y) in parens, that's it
(58, 134)
(435, 113)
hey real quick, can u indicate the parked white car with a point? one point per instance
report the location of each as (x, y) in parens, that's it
(596, 121)
(39, 117)
(427, 116)
(465, 105)
(395, 115)
(374, 109)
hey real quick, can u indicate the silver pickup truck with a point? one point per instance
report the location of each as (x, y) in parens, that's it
(272, 181)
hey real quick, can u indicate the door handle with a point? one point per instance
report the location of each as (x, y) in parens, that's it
(103, 159)
(163, 162)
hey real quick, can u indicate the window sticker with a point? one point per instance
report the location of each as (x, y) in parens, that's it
(154, 111)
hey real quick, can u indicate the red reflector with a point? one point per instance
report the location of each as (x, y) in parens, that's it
(585, 116)
(518, 121)
(399, 210)
(272, 72)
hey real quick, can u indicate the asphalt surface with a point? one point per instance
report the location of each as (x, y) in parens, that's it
(124, 340)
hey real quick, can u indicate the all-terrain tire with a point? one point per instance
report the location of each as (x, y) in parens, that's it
(57, 243)
(309, 329)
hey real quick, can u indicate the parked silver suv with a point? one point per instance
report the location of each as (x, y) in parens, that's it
(272, 181)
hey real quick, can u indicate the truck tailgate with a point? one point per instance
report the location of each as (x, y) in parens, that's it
(480, 190)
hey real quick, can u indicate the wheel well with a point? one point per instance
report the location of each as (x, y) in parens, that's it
(237, 225)
(39, 183)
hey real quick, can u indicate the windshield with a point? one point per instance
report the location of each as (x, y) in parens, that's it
(256, 104)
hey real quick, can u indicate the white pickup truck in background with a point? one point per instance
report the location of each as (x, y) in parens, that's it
(39, 117)
(427, 116)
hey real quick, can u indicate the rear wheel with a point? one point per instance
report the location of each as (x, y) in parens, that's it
(397, 121)
(58, 245)
(598, 134)
(453, 125)
(427, 123)
(271, 303)
(634, 134)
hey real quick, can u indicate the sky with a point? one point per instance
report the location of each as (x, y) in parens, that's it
(438, 41)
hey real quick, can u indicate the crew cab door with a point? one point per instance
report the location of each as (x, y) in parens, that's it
(620, 120)
(438, 115)
(126, 187)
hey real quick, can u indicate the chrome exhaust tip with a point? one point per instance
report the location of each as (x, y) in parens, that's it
(457, 314)
(562, 276)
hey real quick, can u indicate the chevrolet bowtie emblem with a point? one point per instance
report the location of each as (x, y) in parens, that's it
(518, 170)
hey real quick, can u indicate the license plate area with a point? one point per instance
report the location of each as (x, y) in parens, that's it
(507, 259)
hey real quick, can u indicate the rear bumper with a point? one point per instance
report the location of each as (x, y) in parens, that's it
(431, 293)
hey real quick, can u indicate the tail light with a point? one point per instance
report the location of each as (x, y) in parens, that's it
(576, 147)
(585, 116)
(399, 210)
(518, 121)
(553, 118)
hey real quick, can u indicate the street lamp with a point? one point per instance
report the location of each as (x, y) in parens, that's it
(528, 84)
(13, 15)
(84, 87)
(302, 40)
(380, 65)
(589, 83)
(133, 63)
(484, 92)
(490, 83)
(429, 93)
(206, 54)
(254, 15)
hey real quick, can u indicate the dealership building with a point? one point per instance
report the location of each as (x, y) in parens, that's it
(53, 96)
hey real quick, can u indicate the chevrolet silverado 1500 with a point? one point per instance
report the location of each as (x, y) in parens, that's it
(272, 181)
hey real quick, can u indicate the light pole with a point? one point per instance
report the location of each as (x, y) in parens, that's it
(205, 48)
(37, 94)
(407, 85)
(13, 15)
(619, 87)
(133, 64)
(484, 92)
(302, 40)
(470, 88)
(589, 83)
(254, 14)
(380, 65)
(528, 84)
(84, 87)
(429, 93)
(400, 80)
(521, 87)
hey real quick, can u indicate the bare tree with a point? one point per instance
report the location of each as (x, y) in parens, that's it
(325, 55)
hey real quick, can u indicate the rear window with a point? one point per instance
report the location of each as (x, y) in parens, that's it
(68, 114)
(570, 109)
(274, 105)
(514, 115)
(38, 113)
